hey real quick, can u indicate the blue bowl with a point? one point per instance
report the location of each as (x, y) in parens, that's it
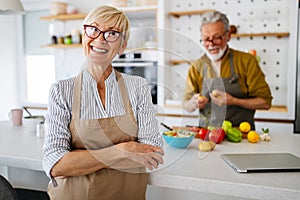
(179, 142)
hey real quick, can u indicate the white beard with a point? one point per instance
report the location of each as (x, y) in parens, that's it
(217, 56)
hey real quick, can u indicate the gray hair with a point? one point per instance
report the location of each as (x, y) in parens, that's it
(212, 17)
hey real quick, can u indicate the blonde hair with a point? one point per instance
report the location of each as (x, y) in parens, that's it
(112, 15)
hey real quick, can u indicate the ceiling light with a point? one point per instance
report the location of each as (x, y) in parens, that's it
(8, 7)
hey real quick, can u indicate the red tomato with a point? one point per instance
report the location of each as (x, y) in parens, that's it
(203, 133)
(217, 135)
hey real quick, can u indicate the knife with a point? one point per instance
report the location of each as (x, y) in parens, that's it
(164, 125)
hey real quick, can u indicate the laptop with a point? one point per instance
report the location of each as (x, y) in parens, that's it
(263, 162)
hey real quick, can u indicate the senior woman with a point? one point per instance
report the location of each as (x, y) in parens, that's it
(102, 131)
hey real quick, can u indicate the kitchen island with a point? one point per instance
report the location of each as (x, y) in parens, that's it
(185, 174)
(206, 173)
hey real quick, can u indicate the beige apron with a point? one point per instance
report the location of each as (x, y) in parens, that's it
(96, 134)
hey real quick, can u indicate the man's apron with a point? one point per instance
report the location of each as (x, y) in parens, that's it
(213, 114)
(96, 134)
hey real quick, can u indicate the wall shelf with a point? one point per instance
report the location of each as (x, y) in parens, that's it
(271, 34)
(178, 14)
(79, 16)
(140, 11)
(62, 46)
(138, 8)
(64, 17)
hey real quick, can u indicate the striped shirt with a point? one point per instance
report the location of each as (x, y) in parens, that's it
(58, 138)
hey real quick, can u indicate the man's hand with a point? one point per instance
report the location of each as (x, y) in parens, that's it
(221, 98)
(196, 102)
(218, 97)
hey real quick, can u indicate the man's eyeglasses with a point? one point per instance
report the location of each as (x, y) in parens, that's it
(215, 40)
(93, 32)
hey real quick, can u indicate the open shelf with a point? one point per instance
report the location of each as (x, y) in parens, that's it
(62, 46)
(64, 17)
(272, 34)
(192, 12)
(138, 8)
(79, 16)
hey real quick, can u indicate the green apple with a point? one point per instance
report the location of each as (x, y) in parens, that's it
(226, 125)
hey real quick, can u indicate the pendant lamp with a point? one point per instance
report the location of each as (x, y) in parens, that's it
(11, 7)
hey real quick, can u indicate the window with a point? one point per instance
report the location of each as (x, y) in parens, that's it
(39, 70)
(39, 77)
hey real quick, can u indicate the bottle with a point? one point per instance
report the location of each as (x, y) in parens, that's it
(75, 35)
(40, 130)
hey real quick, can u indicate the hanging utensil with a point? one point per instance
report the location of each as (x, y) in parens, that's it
(27, 112)
(164, 125)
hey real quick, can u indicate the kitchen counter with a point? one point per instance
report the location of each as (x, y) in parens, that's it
(189, 170)
(197, 171)
(20, 147)
(21, 155)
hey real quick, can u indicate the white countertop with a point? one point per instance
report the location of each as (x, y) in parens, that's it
(189, 170)
(19, 146)
(207, 172)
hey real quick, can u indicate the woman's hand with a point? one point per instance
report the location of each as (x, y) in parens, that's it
(126, 155)
(143, 154)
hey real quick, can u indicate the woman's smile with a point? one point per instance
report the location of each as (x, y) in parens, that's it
(98, 50)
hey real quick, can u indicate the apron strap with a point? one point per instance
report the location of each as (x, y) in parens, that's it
(231, 64)
(234, 76)
(124, 92)
(204, 75)
(77, 97)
